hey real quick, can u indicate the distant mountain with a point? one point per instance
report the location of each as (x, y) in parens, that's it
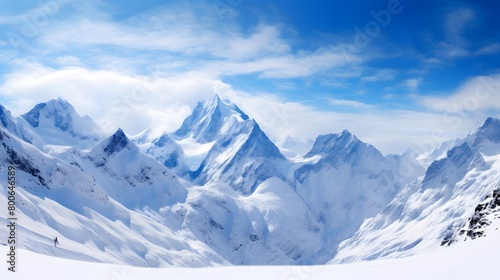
(348, 182)
(19, 128)
(211, 119)
(242, 160)
(57, 123)
(242, 155)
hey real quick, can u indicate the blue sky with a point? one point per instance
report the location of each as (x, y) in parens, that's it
(397, 73)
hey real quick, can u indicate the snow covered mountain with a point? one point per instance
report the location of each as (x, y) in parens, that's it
(210, 119)
(218, 191)
(57, 123)
(240, 154)
(130, 176)
(349, 182)
(242, 160)
(18, 127)
(433, 209)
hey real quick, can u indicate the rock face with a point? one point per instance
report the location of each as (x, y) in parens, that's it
(484, 213)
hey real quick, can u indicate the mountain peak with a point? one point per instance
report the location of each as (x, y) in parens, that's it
(491, 127)
(116, 142)
(489, 130)
(208, 118)
(57, 115)
(5, 117)
(327, 143)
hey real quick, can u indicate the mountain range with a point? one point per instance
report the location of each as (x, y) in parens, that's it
(218, 191)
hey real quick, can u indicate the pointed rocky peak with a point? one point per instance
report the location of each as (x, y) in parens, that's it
(208, 119)
(490, 130)
(60, 110)
(163, 141)
(21, 130)
(116, 142)
(6, 119)
(458, 161)
(326, 144)
(259, 145)
(57, 123)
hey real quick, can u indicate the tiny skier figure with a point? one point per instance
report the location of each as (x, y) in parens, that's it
(56, 242)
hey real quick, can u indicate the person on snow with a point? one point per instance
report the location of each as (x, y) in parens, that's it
(56, 242)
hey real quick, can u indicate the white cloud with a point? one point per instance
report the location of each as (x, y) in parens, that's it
(192, 38)
(412, 84)
(476, 94)
(68, 60)
(489, 49)
(380, 75)
(348, 103)
(455, 43)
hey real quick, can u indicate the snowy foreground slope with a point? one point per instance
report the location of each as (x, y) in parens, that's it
(219, 192)
(477, 259)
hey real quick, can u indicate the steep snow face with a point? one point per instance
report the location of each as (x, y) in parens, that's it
(270, 226)
(241, 160)
(58, 123)
(352, 181)
(128, 175)
(434, 208)
(45, 176)
(166, 151)
(19, 128)
(459, 159)
(487, 138)
(208, 119)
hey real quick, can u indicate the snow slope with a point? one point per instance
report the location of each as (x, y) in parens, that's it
(270, 226)
(19, 127)
(476, 259)
(55, 198)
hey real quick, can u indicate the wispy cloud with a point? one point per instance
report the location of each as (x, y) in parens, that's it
(455, 43)
(380, 75)
(194, 35)
(478, 94)
(348, 103)
(412, 84)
